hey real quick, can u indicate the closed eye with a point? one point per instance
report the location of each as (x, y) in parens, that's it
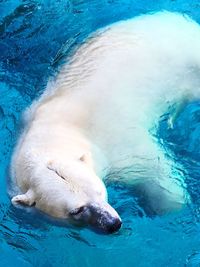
(77, 211)
(51, 169)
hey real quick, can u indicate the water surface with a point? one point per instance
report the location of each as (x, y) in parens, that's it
(35, 37)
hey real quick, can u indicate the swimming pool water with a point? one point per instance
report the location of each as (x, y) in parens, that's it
(35, 37)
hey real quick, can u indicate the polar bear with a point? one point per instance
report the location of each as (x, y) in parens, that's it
(100, 113)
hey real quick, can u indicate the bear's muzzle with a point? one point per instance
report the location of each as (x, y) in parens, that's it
(100, 216)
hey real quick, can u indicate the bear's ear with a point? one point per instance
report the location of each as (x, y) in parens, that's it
(86, 158)
(83, 158)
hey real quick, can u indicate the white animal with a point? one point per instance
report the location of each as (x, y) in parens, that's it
(98, 114)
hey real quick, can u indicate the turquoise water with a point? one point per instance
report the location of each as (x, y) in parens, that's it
(35, 37)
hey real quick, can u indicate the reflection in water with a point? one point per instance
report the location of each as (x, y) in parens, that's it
(35, 36)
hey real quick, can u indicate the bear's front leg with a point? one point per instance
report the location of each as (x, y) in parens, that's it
(161, 196)
(153, 177)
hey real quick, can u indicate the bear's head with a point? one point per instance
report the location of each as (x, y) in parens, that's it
(84, 198)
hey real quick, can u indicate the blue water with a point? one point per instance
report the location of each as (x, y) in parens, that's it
(35, 37)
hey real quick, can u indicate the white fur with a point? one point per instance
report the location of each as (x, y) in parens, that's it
(99, 111)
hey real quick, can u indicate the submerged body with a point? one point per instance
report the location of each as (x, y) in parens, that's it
(98, 115)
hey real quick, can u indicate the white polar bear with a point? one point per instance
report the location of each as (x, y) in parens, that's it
(98, 115)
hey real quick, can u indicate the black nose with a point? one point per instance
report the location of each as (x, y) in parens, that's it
(114, 226)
